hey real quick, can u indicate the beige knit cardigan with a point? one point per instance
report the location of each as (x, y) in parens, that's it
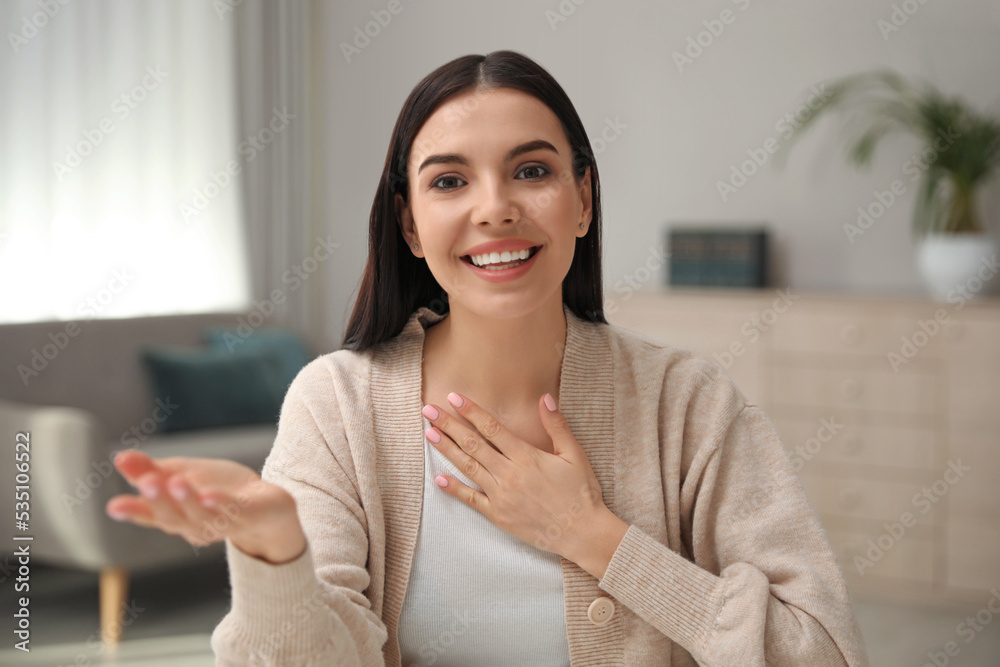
(724, 562)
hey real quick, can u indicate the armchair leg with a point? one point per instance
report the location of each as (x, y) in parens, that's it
(113, 590)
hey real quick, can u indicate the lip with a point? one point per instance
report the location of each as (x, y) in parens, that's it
(505, 275)
(500, 246)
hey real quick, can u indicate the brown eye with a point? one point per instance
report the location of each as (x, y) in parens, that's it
(435, 185)
(545, 170)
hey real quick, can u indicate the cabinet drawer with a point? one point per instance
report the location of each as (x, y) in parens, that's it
(834, 438)
(877, 500)
(972, 343)
(975, 497)
(910, 392)
(853, 333)
(974, 396)
(973, 555)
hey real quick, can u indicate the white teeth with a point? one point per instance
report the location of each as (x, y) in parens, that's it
(500, 257)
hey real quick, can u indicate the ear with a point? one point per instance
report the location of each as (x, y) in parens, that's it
(405, 221)
(586, 198)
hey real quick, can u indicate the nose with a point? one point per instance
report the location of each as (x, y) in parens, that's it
(494, 203)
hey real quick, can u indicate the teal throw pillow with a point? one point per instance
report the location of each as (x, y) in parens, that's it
(289, 348)
(214, 388)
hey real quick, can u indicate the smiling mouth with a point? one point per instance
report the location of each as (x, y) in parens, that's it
(531, 253)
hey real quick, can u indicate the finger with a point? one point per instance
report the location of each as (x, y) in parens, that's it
(207, 515)
(133, 464)
(464, 447)
(202, 524)
(488, 426)
(219, 516)
(556, 425)
(165, 513)
(477, 500)
(130, 508)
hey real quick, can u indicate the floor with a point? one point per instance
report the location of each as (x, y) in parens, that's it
(171, 625)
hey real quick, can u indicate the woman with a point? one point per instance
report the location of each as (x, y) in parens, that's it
(577, 494)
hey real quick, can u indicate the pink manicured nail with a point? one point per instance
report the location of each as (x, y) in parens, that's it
(456, 400)
(441, 481)
(118, 516)
(430, 412)
(550, 402)
(433, 435)
(178, 492)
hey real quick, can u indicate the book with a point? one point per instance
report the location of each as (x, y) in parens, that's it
(718, 256)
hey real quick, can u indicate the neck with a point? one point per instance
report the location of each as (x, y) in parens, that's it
(505, 365)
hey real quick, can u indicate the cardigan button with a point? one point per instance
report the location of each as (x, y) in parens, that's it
(600, 611)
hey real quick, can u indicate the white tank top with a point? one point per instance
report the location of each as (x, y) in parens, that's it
(477, 595)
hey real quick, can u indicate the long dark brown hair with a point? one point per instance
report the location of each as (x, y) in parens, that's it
(395, 282)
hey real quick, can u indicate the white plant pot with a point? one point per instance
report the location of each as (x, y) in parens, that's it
(954, 265)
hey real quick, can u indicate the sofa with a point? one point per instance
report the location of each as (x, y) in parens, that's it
(82, 391)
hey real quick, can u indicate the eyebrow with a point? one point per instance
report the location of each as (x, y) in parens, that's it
(454, 158)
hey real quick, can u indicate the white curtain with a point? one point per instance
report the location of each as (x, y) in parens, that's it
(289, 242)
(121, 160)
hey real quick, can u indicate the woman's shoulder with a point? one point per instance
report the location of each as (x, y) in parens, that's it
(333, 377)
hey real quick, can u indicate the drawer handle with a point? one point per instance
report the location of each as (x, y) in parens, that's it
(851, 444)
(851, 334)
(850, 498)
(851, 388)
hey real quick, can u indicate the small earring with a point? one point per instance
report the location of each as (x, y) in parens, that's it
(581, 225)
(415, 246)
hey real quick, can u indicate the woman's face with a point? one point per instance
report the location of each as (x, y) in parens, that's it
(494, 166)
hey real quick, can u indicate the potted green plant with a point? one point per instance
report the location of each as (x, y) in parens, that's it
(961, 150)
